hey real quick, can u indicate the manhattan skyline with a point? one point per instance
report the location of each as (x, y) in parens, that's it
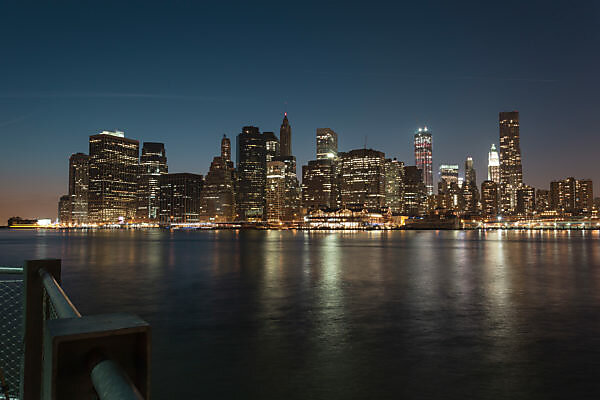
(195, 91)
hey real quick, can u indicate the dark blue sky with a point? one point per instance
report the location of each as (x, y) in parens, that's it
(185, 74)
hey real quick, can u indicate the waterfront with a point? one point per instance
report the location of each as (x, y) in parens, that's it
(317, 314)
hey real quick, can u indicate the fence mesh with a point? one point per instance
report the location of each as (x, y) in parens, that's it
(11, 331)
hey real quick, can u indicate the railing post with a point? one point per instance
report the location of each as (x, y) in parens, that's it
(33, 325)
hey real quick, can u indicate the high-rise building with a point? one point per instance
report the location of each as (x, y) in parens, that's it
(489, 198)
(252, 174)
(542, 200)
(179, 198)
(470, 193)
(470, 175)
(525, 201)
(414, 199)
(153, 164)
(285, 136)
(218, 194)
(271, 145)
(327, 144)
(424, 157)
(65, 209)
(79, 180)
(319, 185)
(572, 196)
(394, 184)
(449, 192)
(113, 177)
(292, 192)
(275, 191)
(493, 165)
(362, 179)
(511, 170)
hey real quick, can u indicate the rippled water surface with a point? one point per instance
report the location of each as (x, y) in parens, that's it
(328, 315)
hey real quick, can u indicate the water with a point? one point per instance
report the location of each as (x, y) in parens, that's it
(346, 315)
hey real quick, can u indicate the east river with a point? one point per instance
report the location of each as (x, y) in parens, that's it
(345, 315)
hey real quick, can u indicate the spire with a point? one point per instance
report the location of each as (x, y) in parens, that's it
(285, 137)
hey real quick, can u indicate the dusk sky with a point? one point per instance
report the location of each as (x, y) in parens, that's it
(186, 74)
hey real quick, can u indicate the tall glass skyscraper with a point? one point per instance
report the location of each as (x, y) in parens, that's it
(327, 144)
(79, 180)
(424, 157)
(511, 170)
(252, 174)
(153, 164)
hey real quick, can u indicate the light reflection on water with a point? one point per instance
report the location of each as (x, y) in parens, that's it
(291, 314)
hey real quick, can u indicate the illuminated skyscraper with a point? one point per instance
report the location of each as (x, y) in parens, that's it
(218, 194)
(511, 170)
(470, 175)
(572, 196)
(114, 164)
(79, 179)
(489, 198)
(362, 179)
(153, 164)
(394, 184)
(525, 201)
(64, 209)
(271, 145)
(448, 189)
(292, 193)
(414, 198)
(493, 165)
(285, 137)
(319, 185)
(327, 143)
(252, 174)
(275, 191)
(179, 198)
(423, 157)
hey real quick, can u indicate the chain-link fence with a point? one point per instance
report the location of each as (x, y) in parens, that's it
(11, 331)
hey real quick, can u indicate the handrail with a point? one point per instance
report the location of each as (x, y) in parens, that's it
(61, 302)
(108, 378)
(11, 270)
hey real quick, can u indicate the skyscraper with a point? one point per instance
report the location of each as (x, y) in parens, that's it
(252, 174)
(493, 165)
(327, 143)
(292, 192)
(64, 209)
(285, 137)
(153, 164)
(179, 198)
(448, 189)
(414, 199)
(424, 156)
(272, 145)
(394, 184)
(114, 160)
(525, 201)
(511, 170)
(572, 196)
(470, 175)
(319, 185)
(275, 191)
(79, 179)
(218, 194)
(489, 198)
(362, 179)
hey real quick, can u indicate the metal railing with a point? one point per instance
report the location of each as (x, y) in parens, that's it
(69, 356)
(11, 335)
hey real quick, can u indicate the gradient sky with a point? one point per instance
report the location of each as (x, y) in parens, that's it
(186, 74)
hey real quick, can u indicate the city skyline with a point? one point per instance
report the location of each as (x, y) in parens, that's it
(65, 86)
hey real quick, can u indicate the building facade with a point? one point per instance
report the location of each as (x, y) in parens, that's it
(493, 165)
(285, 137)
(572, 196)
(319, 185)
(394, 185)
(525, 201)
(362, 179)
(489, 198)
(511, 170)
(113, 177)
(327, 144)
(252, 174)
(424, 157)
(153, 164)
(179, 198)
(218, 194)
(275, 191)
(79, 181)
(414, 199)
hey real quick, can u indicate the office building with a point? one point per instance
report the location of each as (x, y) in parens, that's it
(272, 148)
(319, 185)
(65, 210)
(179, 198)
(511, 170)
(525, 201)
(424, 157)
(252, 174)
(327, 144)
(275, 191)
(113, 178)
(394, 185)
(493, 165)
(449, 193)
(362, 179)
(79, 180)
(292, 190)
(218, 193)
(414, 199)
(572, 196)
(542, 200)
(489, 198)
(153, 164)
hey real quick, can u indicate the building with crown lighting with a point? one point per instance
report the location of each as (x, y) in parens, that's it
(493, 165)
(327, 144)
(424, 157)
